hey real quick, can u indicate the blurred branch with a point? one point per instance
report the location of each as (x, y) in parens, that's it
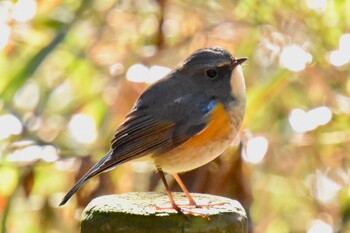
(160, 33)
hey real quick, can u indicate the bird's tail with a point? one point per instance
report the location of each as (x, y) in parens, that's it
(92, 172)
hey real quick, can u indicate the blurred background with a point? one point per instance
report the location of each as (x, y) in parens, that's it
(70, 71)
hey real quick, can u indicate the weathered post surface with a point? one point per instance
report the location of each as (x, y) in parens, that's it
(148, 213)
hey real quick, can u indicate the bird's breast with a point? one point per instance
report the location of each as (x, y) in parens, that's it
(222, 127)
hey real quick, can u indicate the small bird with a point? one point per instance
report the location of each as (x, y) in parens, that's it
(183, 121)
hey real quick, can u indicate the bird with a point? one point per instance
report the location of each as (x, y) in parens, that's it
(182, 121)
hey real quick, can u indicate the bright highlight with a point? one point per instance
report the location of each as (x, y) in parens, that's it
(255, 149)
(141, 73)
(9, 125)
(302, 121)
(294, 58)
(82, 128)
(24, 10)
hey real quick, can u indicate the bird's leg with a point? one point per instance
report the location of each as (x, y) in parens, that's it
(171, 198)
(184, 189)
(192, 203)
(190, 198)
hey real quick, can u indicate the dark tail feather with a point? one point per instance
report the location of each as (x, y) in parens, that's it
(92, 172)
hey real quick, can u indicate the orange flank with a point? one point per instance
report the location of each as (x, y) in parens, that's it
(217, 128)
(202, 147)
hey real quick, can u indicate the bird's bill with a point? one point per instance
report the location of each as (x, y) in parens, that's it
(238, 61)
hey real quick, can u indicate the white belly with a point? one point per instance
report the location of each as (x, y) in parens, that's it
(185, 159)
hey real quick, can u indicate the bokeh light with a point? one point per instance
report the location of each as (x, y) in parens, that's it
(61, 96)
(302, 121)
(24, 10)
(323, 187)
(5, 11)
(9, 125)
(344, 42)
(137, 73)
(82, 128)
(27, 97)
(317, 5)
(49, 153)
(294, 58)
(341, 56)
(141, 73)
(116, 69)
(338, 57)
(4, 35)
(255, 149)
(32, 153)
(319, 226)
(343, 103)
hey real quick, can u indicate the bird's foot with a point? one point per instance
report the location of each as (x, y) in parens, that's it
(189, 209)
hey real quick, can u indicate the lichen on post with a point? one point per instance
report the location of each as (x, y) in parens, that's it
(150, 212)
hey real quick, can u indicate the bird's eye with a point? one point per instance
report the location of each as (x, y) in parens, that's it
(211, 73)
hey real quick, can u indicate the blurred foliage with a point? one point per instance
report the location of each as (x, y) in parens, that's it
(63, 91)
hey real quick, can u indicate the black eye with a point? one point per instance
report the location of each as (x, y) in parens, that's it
(211, 73)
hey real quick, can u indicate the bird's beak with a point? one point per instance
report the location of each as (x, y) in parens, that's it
(238, 61)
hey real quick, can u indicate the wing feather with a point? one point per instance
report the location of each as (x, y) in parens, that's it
(146, 131)
(137, 137)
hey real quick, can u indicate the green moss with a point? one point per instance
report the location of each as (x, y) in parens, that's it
(136, 213)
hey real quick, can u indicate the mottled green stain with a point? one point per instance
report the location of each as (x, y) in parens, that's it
(136, 213)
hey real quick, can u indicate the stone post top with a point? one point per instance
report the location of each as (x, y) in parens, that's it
(145, 212)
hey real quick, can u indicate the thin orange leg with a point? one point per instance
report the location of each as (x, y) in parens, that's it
(184, 189)
(171, 198)
(190, 198)
(192, 203)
